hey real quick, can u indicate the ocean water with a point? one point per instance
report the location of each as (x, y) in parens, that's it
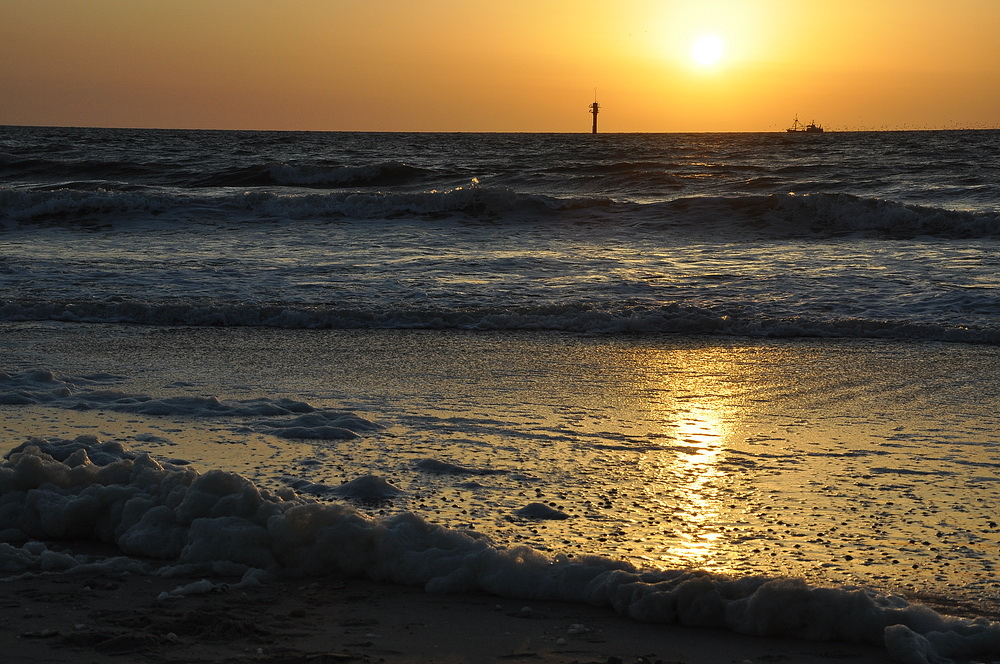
(851, 235)
(724, 357)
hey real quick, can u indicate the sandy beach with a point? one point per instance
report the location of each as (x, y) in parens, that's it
(97, 618)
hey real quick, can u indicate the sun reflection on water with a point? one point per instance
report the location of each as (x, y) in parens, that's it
(692, 405)
(700, 437)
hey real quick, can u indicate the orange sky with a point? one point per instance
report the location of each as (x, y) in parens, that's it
(515, 65)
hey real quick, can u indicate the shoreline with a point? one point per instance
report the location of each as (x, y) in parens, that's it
(773, 451)
(737, 457)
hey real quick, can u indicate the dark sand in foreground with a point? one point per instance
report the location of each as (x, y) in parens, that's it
(84, 618)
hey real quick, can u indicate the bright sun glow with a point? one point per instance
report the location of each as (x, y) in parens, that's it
(707, 50)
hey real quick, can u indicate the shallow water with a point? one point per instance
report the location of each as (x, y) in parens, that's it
(840, 461)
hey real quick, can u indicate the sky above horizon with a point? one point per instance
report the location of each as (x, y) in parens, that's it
(517, 65)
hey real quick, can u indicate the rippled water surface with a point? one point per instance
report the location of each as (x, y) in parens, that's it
(847, 462)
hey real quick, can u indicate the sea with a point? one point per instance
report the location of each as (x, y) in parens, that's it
(737, 363)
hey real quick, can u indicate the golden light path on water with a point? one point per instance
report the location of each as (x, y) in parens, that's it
(688, 397)
(837, 461)
(703, 431)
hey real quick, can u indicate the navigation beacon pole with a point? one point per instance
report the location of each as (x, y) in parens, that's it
(595, 109)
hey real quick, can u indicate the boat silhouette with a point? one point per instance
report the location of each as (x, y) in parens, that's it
(811, 128)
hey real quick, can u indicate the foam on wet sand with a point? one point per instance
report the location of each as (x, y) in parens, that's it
(220, 524)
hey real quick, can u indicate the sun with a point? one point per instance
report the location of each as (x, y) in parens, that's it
(708, 50)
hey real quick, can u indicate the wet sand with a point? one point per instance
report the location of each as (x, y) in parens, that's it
(840, 462)
(843, 462)
(88, 618)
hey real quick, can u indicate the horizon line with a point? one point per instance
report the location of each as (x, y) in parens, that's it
(903, 128)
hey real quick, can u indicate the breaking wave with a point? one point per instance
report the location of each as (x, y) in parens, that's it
(581, 318)
(819, 215)
(109, 207)
(85, 173)
(82, 169)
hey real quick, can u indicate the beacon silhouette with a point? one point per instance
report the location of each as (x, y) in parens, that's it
(595, 108)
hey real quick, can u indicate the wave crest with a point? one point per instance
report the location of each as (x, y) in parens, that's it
(581, 318)
(817, 215)
(107, 207)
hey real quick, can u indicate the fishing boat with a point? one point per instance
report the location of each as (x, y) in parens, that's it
(811, 128)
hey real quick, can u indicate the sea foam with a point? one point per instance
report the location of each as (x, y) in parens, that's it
(219, 522)
(285, 418)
